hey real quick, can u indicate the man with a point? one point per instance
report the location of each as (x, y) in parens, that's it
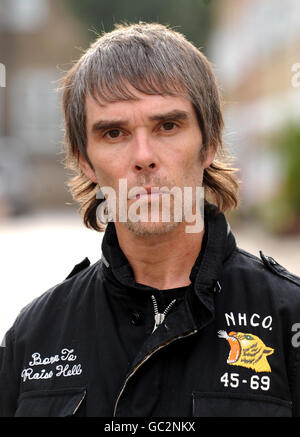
(175, 319)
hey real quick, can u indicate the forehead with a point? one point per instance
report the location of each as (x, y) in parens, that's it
(143, 105)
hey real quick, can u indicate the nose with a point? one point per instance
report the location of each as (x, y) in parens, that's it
(144, 156)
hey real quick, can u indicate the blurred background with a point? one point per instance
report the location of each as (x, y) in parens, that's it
(254, 46)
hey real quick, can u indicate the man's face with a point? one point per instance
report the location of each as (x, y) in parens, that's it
(154, 141)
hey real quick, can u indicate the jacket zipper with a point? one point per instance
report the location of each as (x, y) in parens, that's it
(146, 359)
(79, 403)
(160, 317)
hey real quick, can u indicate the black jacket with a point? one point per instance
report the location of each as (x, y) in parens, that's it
(229, 345)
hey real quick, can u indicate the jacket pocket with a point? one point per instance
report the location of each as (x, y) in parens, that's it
(239, 405)
(50, 403)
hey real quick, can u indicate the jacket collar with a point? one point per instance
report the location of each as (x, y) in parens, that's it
(219, 243)
(207, 271)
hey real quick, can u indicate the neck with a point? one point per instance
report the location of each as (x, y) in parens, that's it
(161, 261)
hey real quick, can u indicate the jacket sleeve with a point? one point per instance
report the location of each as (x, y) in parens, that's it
(294, 370)
(295, 391)
(8, 378)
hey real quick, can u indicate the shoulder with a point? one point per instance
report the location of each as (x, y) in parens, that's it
(272, 265)
(264, 267)
(62, 297)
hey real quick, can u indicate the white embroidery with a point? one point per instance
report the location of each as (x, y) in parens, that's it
(28, 374)
(243, 319)
(66, 355)
(61, 370)
(64, 370)
(38, 361)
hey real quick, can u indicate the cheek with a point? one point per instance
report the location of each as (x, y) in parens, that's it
(105, 176)
(193, 163)
(105, 166)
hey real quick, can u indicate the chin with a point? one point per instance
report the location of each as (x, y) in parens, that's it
(148, 229)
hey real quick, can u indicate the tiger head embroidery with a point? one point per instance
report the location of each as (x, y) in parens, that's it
(247, 350)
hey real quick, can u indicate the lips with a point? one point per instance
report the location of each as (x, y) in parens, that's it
(235, 348)
(147, 192)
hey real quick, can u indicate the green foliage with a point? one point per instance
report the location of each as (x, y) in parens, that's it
(289, 145)
(284, 208)
(191, 17)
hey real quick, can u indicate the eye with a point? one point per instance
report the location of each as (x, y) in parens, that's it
(113, 133)
(248, 337)
(169, 125)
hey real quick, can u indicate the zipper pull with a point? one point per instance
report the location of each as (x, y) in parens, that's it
(160, 317)
(158, 320)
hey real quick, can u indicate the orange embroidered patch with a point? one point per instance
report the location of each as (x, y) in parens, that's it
(247, 350)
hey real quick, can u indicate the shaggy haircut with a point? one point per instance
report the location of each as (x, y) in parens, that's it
(155, 60)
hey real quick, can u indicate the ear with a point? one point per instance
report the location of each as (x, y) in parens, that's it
(209, 156)
(87, 169)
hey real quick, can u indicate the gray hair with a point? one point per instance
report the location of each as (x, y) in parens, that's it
(154, 60)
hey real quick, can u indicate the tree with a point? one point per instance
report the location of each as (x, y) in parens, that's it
(191, 17)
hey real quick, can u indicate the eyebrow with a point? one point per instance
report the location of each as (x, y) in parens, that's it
(176, 115)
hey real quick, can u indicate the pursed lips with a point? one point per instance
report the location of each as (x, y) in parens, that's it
(145, 192)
